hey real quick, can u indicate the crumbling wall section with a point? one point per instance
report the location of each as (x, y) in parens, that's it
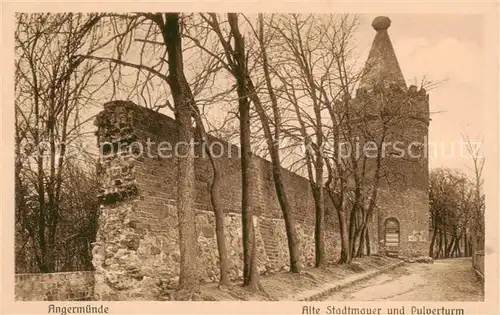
(136, 254)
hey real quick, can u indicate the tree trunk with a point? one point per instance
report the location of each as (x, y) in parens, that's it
(320, 207)
(361, 244)
(250, 272)
(273, 147)
(344, 238)
(291, 232)
(219, 224)
(317, 194)
(440, 244)
(433, 240)
(458, 252)
(250, 275)
(441, 241)
(470, 247)
(43, 263)
(319, 242)
(352, 236)
(452, 246)
(466, 246)
(445, 244)
(216, 205)
(367, 242)
(278, 178)
(183, 100)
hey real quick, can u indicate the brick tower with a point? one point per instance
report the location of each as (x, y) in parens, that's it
(403, 202)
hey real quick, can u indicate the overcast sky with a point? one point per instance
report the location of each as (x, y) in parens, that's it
(440, 47)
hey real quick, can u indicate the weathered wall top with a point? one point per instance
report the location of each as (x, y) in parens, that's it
(123, 122)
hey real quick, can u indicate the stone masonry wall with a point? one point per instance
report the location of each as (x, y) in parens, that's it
(61, 286)
(136, 253)
(410, 208)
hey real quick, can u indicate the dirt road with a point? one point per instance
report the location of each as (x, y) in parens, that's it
(445, 280)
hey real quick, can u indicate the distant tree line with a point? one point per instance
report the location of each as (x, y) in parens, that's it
(457, 207)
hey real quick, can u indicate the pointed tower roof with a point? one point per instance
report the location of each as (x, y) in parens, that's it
(382, 64)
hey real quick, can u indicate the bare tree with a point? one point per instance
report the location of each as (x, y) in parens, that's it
(273, 142)
(310, 56)
(477, 225)
(156, 32)
(452, 199)
(319, 76)
(184, 103)
(239, 66)
(53, 86)
(234, 59)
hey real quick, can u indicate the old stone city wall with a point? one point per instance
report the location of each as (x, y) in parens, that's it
(59, 286)
(136, 251)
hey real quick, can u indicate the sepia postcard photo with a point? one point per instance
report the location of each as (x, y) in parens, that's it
(330, 158)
